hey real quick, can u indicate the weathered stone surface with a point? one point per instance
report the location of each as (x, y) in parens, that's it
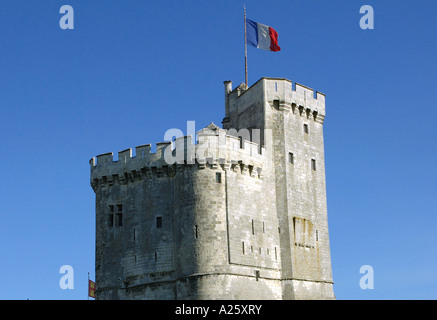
(223, 219)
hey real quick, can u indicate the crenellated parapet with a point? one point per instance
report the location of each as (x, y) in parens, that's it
(281, 94)
(215, 148)
(237, 212)
(295, 97)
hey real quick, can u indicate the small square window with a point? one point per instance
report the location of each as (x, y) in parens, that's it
(159, 222)
(276, 104)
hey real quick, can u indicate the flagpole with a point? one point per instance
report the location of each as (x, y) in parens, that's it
(245, 45)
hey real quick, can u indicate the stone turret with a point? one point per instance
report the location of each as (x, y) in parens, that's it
(239, 215)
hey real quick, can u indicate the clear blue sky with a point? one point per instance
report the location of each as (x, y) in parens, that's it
(130, 70)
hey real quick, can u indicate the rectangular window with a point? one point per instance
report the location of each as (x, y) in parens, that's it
(276, 104)
(243, 246)
(313, 164)
(257, 274)
(253, 227)
(158, 222)
(305, 128)
(115, 218)
(119, 219)
(291, 158)
(218, 177)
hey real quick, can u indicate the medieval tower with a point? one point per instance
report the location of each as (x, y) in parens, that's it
(239, 214)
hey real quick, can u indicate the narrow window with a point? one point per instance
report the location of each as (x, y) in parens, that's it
(158, 222)
(313, 164)
(241, 142)
(243, 246)
(276, 86)
(264, 228)
(253, 228)
(268, 252)
(134, 234)
(156, 257)
(291, 158)
(259, 249)
(257, 274)
(317, 235)
(119, 219)
(218, 177)
(111, 216)
(305, 128)
(196, 231)
(276, 254)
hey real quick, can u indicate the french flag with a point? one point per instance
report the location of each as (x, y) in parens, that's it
(261, 36)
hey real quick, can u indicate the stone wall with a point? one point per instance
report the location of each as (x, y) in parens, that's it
(227, 218)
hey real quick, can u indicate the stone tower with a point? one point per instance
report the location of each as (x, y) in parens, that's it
(241, 214)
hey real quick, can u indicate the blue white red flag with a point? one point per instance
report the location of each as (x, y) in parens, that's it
(261, 36)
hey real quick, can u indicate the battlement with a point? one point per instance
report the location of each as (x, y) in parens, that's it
(215, 147)
(237, 212)
(282, 94)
